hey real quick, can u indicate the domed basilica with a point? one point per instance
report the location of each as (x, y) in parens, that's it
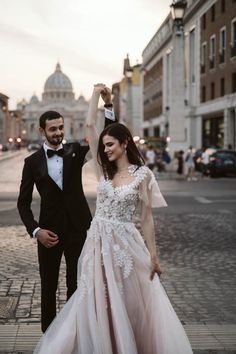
(58, 96)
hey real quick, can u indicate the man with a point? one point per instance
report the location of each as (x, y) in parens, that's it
(64, 218)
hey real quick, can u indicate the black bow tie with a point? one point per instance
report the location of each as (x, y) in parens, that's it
(51, 152)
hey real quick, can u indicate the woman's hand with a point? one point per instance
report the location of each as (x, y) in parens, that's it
(99, 87)
(155, 267)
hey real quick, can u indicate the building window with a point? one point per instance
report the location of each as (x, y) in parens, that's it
(212, 51)
(145, 132)
(222, 45)
(157, 132)
(233, 38)
(192, 56)
(222, 5)
(203, 58)
(213, 13)
(233, 82)
(203, 93)
(204, 22)
(213, 132)
(222, 86)
(212, 90)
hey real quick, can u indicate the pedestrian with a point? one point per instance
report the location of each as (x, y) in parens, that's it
(190, 164)
(64, 218)
(180, 158)
(205, 159)
(120, 305)
(150, 157)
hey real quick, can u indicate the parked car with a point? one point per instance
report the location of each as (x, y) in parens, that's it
(4, 147)
(222, 162)
(33, 146)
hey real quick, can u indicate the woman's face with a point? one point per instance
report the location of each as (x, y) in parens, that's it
(112, 148)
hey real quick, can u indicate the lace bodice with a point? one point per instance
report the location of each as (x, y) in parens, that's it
(120, 203)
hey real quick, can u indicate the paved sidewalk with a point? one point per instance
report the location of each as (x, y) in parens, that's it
(204, 338)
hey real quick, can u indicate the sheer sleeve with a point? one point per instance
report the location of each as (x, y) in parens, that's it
(150, 197)
(91, 130)
(150, 193)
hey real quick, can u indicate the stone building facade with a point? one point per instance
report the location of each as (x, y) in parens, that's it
(189, 77)
(127, 97)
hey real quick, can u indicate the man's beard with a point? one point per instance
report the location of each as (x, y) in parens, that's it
(55, 141)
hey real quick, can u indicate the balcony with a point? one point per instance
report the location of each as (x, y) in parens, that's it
(212, 63)
(222, 57)
(233, 51)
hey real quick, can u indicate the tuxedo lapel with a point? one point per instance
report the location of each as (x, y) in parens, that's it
(43, 167)
(42, 162)
(67, 159)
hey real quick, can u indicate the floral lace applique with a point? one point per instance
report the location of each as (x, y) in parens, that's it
(123, 259)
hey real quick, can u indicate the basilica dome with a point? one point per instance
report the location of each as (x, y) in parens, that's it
(58, 86)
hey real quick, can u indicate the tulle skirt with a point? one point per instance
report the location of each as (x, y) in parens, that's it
(116, 309)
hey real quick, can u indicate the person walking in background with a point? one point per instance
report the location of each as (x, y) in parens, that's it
(120, 305)
(189, 159)
(180, 159)
(205, 159)
(56, 170)
(150, 157)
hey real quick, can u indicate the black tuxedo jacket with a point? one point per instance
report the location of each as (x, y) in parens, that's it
(59, 208)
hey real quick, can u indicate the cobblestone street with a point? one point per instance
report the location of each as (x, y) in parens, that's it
(197, 249)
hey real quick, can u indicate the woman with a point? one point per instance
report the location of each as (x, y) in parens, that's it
(189, 159)
(120, 306)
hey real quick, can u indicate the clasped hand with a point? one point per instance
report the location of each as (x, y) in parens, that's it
(104, 91)
(47, 238)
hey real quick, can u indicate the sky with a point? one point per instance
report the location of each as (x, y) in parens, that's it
(89, 38)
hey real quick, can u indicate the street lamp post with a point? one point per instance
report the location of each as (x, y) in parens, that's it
(177, 13)
(177, 107)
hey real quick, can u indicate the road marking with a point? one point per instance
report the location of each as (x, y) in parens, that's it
(203, 200)
(224, 200)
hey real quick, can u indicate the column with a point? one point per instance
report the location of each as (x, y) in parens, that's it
(177, 108)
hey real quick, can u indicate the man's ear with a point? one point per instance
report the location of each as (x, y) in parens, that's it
(41, 130)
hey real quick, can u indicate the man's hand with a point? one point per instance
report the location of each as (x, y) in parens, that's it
(106, 95)
(155, 268)
(47, 238)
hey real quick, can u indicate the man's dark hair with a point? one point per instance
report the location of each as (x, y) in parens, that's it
(49, 115)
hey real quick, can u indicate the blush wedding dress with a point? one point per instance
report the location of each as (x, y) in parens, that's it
(117, 308)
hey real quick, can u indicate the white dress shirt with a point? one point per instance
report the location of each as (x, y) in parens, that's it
(55, 166)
